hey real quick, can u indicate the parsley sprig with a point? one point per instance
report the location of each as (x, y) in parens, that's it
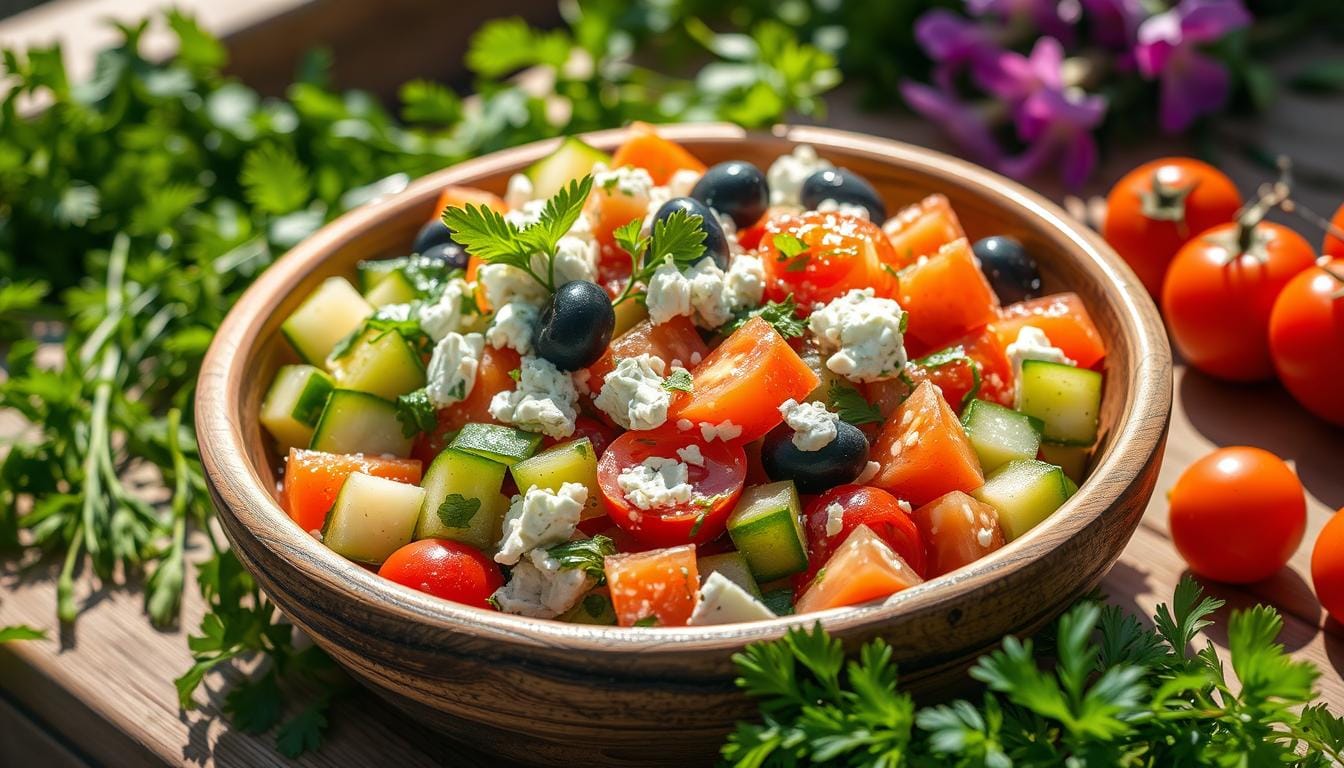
(783, 315)
(678, 239)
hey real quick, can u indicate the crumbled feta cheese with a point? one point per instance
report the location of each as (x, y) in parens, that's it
(845, 209)
(709, 300)
(543, 402)
(692, 455)
(452, 368)
(503, 283)
(633, 394)
(575, 259)
(744, 285)
(399, 313)
(835, 519)
(723, 601)
(581, 378)
(445, 315)
(1032, 344)
(868, 473)
(984, 537)
(513, 326)
(685, 425)
(813, 426)
(525, 215)
(725, 430)
(656, 482)
(668, 294)
(626, 180)
(862, 335)
(519, 192)
(788, 172)
(540, 518)
(540, 588)
(682, 182)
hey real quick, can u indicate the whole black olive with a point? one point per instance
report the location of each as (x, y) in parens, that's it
(735, 189)
(431, 234)
(449, 253)
(716, 242)
(843, 186)
(1009, 268)
(836, 463)
(575, 326)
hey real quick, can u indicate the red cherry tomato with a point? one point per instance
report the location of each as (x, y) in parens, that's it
(1156, 208)
(843, 252)
(1327, 566)
(492, 376)
(447, 569)
(883, 513)
(1237, 515)
(1219, 293)
(717, 485)
(1334, 245)
(1306, 339)
(598, 433)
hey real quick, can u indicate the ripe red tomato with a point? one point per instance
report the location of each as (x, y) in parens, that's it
(1156, 208)
(1237, 515)
(843, 252)
(447, 569)
(1306, 338)
(492, 376)
(1327, 566)
(882, 512)
(1219, 293)
(1333, 245)
(717, 484)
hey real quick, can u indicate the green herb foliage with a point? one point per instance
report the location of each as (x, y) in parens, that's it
(680, 381)
(20, 632)
(678, 239)
(417, 413)
(782, 315)
(851, 406)
(587, 554)
(457, 511)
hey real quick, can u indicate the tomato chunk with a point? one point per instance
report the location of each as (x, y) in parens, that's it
(842, 252)
(921, 229)
(675, 342)
(614, 208)
(863, 568)
(873, 508)
(660, 157)
(1063, 318)
(492, 376)
(947, 297)
(744, 381)
(923, 451)
(957, 530)
(457, 196)
(658, 588)
(445, 569)
(313, 478)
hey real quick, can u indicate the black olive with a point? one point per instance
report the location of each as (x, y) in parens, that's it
(716, 242)
(1010, 269)
(843, 186)
(433, 233)
(449, 253)
(836, 463)
(736, 189)
(575, 326)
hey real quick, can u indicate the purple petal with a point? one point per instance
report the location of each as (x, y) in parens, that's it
(1204, 21)
(958, 120)
(1192, 85)
(947, 37)
(1158, 37)
(1047, 59)
(1114, 23)
(1006, 74)
(1079, 159)
(1030, 161)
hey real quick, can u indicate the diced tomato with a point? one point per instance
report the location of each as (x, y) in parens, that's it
(863, 568)
(923, 451)
(975, 365)
(613, 208)
(957, 530)
(921, 229)
(843, 252)
(1063, 318)
(674, 342)
(947, 297)
(873, 508)
(613, 270)
(655, 588)
(744, 381)
(445, 569)
(459, 197)
(474, 264)
(716, 484)
(492, 377)
(750, 237)
(660, 157)
(313, 478)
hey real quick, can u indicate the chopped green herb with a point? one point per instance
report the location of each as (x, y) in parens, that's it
(678, 239)
(588, 555)
(679, 380)
(647, 621)
(457, 511)
(948, 357)
(789, 245)
(783, 315)
(416, 413)
(699, 521)
(516, 374)
(851, 406)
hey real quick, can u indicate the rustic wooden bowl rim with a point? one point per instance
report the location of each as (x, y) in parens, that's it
(1136, 436)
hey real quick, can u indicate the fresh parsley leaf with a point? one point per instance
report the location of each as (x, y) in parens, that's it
(416, 413)
(789, 245)
(628, 237)
(680, 380)
(255, 706)
(677, 239)
(274, 180)
(20, 632)
(558, 216)
(783, 315)
(382, 322)
(588, 555)
(457, 511)
(850, 405)
(303, 732)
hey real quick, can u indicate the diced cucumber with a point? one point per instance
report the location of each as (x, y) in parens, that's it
(394, 288)
(572, 160)
(571, 462)
(462, 500)
(1070, 458)
(1000, 434)
(358, 422)
(506, 445)
(594, 608)
(380, 362)
(372, 518)
(294, 403)
(767, 530)
(779, 601)
(1066, 399)
(374, 271)
(1024, 492)
(329, 314)
(733, 566)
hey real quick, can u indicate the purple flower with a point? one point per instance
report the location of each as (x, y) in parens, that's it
(952, 42)
(1057, 126)
(961, 121)
(1013, 77)
(1193, 84)
(1054, 18)
(1115, 23)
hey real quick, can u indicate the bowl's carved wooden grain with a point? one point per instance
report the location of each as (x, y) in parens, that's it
(543, 691)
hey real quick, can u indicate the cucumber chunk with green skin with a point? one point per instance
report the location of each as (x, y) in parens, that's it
(571, 462)
(572, 160)
(767, 530)
(394, 288)
(358, 422)
(1000, 434)
(372, 518)
(332, 312)
(506, 445)
(733, 566)
(462, 500)
(380, 362)
(1024, 492)
(780, 601)
(294, 403)
(1070, 458)
(594, 608)
(1066, 399)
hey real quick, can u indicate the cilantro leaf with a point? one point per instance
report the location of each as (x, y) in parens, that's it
(851, 406)
(680, 380)
(783, 315)
(503, 46)
(457, 511)
(588, 555)
(303, 732)
(416, 413)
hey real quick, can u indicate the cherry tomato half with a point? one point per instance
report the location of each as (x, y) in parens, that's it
(716, 483)
(447, 569)
(882, 512)
(1237, 515)
(842, 252)
(1327, 566)
(1306, 339)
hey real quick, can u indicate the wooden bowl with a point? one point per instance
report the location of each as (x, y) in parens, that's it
(543, 691)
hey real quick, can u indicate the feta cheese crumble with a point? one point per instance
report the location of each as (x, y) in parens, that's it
(862, 335)
(575, 259)
(543, 402)
(540, 518)
(540, 588)
(725, 430)
(633, 394)
(723, 601)
(1031, 344)
(525, 215)
(835, 519)
(668, 294)
(513, 326)
(744, 285)
(692, 455)
(656, 482)
(813, 426)
(519, 192)
(445, 315)
(788, 172)
(452, 368)
(868, 473)
(626, 180)
(709, 302)
(503, 283)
